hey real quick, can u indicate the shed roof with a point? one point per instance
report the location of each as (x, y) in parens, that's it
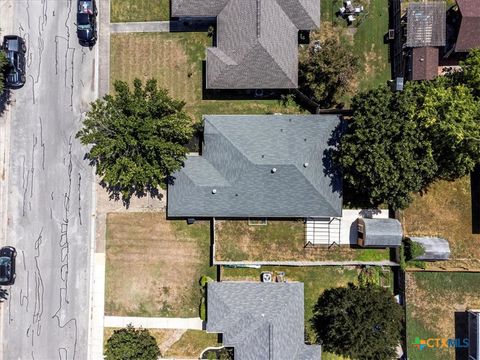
(382, 232)
(424, 63)
(435, 248)
(469, 33)
(260, 320)
(260, 166)
(426, 24)
(257, 40)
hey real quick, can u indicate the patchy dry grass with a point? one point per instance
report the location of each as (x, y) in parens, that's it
(154, 265)
(445, 211)
(236, 240)
(139, 10)
(435, 302)
(175, 60)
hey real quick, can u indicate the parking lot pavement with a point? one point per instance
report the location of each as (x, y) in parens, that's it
(50, 184)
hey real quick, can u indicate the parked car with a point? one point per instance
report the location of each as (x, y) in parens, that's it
(15, 49)
(87, 22)
(8, 255)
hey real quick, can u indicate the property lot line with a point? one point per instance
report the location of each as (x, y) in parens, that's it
(306, 263)
(135, 27)
(154, 322)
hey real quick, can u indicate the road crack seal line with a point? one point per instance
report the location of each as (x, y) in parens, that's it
(64, 256)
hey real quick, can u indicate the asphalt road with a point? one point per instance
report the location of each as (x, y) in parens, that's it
(46, 314)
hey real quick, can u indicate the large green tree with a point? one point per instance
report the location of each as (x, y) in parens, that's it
(131, 344)
(470, 73)
(137, 138)
(358, 322)
(383, 154)
(326, 70)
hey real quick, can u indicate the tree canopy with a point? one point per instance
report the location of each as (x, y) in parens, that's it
(3, 63)
(131, 344)
(399, 143)
(137, 138)
(358, 322)
(326, 69)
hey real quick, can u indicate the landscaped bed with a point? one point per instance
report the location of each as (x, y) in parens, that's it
(139, 10)
(238, 240)
(445, 211)
(436, 304)
(153, 266)
(175, 60)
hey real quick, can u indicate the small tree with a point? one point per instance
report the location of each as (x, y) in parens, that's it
(137, 138)
(358, 322)
(326, 70)
(131, 344)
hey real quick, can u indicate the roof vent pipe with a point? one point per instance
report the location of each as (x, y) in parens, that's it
(305, 164)
(274, 170)
(214, 191)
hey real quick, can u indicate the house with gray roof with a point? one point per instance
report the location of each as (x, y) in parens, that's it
(256, 40)
(379, 233)
(261, 321)
(251, 166)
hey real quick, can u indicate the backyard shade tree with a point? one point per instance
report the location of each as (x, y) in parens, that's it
(326, 70)
(131, 344)
(358, 322)
(137, 138)
(384, 156)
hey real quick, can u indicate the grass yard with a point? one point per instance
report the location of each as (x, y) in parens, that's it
(445, 211)
(139, 10)
(280, 241)
(316, 279)
(179, 344)
(366, 38)
(175, 60)
(153, 266)
(436, 304)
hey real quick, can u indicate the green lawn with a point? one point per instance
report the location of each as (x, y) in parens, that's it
(445, 211)
(139, 10)
(316, 279)
(236, 240)
(153, 266)
(175, 60)
(367, 39)
(435, 302)
(191, 344)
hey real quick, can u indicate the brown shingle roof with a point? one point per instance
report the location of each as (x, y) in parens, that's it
(469, 33)
(424, 63)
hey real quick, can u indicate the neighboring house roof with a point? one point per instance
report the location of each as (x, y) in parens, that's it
(381, 232)
(261, 321)
(426, 24)
(435, 248)
(474, 334)
(469, 33)
(424, 63)
(260, 166)
(257, 40)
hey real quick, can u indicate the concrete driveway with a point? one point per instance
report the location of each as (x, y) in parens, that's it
(49, 214)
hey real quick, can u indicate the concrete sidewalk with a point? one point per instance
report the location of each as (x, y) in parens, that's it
(154, 322)
(147, 26)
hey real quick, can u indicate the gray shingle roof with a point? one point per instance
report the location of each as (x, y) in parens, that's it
(426, 24)
(435, 248)
(257, 44)
(239, 155)
(260, 320)
(382, 232)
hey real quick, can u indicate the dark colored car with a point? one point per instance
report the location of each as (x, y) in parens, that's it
(15, 49)
(87, 22)
(8, 255)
